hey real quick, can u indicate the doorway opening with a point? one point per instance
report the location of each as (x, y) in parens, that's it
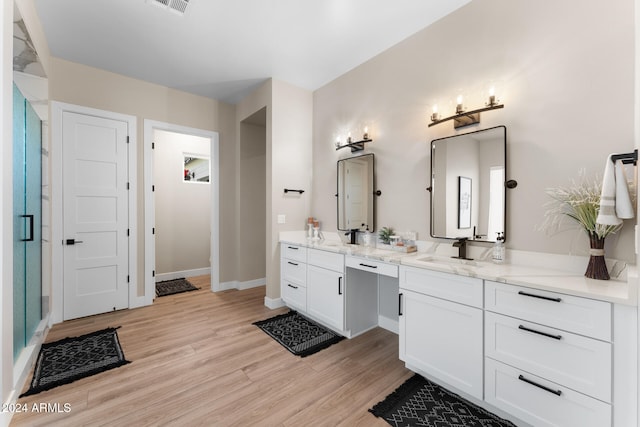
(181, 204)
(252, 201)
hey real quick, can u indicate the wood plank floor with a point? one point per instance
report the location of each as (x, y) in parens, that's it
(198, 360)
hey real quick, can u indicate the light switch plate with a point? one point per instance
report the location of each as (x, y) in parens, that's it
(282, 219)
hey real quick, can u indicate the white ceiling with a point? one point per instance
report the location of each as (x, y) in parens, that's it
(223, 49)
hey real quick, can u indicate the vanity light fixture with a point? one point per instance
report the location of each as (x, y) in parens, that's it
(459, 107)
(354, 145)
(435, 116)
(465, 118)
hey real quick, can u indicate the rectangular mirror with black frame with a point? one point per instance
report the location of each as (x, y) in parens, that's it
(468, 173)
(355, 193)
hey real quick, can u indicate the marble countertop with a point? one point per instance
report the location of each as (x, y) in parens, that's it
(619, 291)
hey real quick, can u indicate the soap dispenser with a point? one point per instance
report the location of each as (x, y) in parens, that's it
(498, 249)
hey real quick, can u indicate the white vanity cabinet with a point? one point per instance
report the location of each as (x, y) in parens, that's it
(293, 283)
(441, 331)
(548, 356)
(326, 288)
(371, 295)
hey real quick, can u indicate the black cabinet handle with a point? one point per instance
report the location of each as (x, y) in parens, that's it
(555, 337)
(291, 286)
(30, 238)
(526, 294)
(293, 247)
(400, 304)
(292, 263)
(340, 285)
(367, 265)
(543, 387)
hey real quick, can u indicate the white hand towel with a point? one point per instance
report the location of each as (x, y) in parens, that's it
(624, 208)
(615, 202)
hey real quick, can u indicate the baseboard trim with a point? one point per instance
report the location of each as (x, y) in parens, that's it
(184, 273)
(273, 303)
(241, 286)
(389, 324)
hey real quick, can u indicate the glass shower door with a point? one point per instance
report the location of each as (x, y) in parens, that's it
(27, 226)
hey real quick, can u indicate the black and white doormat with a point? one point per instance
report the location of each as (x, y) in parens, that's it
(176, 286)
(298, 334)
(67, 360)
(419, 402)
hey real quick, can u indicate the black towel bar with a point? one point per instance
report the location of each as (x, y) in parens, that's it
(626, 158)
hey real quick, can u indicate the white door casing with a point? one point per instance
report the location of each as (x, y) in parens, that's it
(149, 203)
(105, 247)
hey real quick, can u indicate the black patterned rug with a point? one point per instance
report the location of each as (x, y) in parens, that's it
(176, 286)
(419, 402)
(298, 334)
(67, 360)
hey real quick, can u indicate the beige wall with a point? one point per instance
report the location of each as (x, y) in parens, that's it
(565, 75)
(291, 167)
(253, 200)
(183, 208)
(288, 157)
(90, 87)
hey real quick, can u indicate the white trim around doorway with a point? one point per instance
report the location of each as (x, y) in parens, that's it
(149, 205)
(57, 218)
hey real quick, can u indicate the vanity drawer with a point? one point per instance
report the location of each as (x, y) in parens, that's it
(294, 252)
(377, 267)
(583, 364)
(460, 289)
(294, 295)
(325, 259)
(541, 402)
(295, 271)
(575, 314)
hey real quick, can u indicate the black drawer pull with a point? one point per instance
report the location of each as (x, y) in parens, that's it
(291, 286)
(544, 387)
(340, 285)
(555, 337)
(400, 304)
(292, 263)
(293, 247)
(526, 294)
(367, 265)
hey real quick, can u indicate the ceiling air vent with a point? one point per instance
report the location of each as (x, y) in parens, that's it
(176, 6)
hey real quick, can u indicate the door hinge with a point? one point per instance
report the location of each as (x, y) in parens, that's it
(153, 145)
(127, 139)
(127, 232)
(153, 188)
(153, 273)
(127, 185)
(153, 230)
(127, 278)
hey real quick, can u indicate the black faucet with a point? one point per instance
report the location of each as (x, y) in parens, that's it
(461, 244)
(354, 236)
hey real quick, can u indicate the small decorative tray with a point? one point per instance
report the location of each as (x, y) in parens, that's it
(405, 249)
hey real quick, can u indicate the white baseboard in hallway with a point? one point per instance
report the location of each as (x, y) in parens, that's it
(235, 284)
(184, 273)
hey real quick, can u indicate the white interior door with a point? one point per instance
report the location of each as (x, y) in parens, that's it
(95, 215)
